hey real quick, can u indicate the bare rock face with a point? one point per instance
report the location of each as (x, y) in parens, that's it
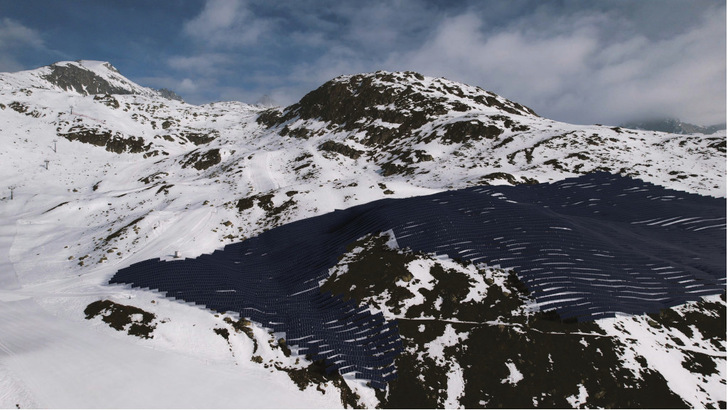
(169, 94)
(104, 79)
(387, 106)
(506, 355)
(74, 78)
(112, 141)
(201, 160)
(130, 319)
(382, 116)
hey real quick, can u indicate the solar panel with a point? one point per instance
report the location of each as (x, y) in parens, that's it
(587, 247)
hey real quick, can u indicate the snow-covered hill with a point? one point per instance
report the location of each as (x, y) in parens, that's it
(673, 126)
(104, 173)
(83, 77)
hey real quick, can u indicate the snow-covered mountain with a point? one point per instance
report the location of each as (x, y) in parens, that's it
(101, 173)
(82, 77)
(673, 126)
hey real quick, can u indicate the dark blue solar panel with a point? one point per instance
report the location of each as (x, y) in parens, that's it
(587, 247)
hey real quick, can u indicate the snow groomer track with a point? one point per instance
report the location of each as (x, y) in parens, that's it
(586, 247)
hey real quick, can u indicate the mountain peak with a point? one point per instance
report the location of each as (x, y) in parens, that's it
(88, 77)
(389, 105)
(85, 77)
(93, 65)
(346, 98)
(673, 126)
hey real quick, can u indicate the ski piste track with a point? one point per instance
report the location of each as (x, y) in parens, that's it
(586, 247)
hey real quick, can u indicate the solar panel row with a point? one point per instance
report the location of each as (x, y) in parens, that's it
(587, 247)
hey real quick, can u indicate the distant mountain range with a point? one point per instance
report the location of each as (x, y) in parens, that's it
(673, 126)
(100, 173)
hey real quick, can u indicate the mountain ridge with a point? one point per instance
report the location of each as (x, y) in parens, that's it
(85, 77)
(102, 181)
(673, 125)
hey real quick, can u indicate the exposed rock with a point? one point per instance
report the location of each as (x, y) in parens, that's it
(270, 117)
(487, 179)
(315, 375)
(169, 94)
(133, 320)
(201, 160)
(71, 77)
(113, 142)
(199, 138)
(403, 161)
(19, 107)
(107, 100)
(490, 337)
(345, 150)
(717, 144)
(24, 109)
(119, 232)
(463, 131)
(388, 106)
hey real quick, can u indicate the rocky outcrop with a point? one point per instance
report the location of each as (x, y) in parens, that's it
(71, 77)
(201, 160)
(112, 141)
(339, 148)
(78, 77)
(386, 106)
(169, 94)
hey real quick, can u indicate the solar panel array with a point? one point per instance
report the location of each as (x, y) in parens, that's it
(586, 247)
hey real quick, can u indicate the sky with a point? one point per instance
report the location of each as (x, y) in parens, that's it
(584, 62)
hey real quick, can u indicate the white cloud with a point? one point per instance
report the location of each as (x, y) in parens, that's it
(226, 23)
(575, 69)
(529, 66)
(207, 64)
(193, 90)
(572, 61)
(16, 38)
(14, 34)
(383, 26)
(9, 64)
(187, 86)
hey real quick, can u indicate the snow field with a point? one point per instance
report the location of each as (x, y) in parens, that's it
(65, 215)
(657, 347)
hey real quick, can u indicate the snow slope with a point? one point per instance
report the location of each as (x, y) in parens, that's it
(132, 176)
